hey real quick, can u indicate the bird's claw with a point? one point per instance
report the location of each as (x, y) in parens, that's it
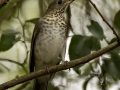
(65, 63)
(47, 68)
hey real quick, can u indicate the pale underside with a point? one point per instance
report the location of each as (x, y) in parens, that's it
(50, 46)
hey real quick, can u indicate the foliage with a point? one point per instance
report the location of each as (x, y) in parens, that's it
(116, 21)
(8, 39)
(80, 45)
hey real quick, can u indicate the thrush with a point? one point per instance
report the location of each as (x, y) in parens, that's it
(49, 41)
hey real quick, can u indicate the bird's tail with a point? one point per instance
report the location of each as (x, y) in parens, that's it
(39, 86)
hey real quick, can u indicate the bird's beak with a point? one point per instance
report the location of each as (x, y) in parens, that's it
(68, 2)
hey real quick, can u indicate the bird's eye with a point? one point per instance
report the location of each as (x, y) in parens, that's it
(59, 1)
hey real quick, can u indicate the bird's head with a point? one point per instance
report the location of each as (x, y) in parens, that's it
(59, 6)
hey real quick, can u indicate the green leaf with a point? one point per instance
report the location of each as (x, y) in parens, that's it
(77, 70)
(86, 82)
(8, 39)
(33, 20)
(116, 60)
(95, 43)
(96, 30)
(113, 40)
(82, 45)
(79, 47)
(109, 67)
(117, 21)
(116, 50)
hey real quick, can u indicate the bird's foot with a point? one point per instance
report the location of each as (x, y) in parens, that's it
(65, 63)
(47, 68)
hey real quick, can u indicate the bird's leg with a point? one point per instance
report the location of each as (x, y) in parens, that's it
(47, 68)
(64, 62)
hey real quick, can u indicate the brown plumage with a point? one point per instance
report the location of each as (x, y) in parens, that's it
(49, 41)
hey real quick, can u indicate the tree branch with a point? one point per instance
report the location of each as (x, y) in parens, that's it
(3, 2)
(114, 32)
(60, 67)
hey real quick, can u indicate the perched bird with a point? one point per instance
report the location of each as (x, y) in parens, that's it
(49, 41)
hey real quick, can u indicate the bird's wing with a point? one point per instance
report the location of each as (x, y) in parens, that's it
(35, 34)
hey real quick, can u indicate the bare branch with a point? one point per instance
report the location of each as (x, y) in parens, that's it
(5, 67)
(60, 67)
(114, 32)
(15, 62)
(24, 40)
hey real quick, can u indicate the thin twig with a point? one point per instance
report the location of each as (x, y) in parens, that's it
(23, 25)
(24, 41)
(114, 32)
(60, 67)
(15, 62)
(5, 67)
